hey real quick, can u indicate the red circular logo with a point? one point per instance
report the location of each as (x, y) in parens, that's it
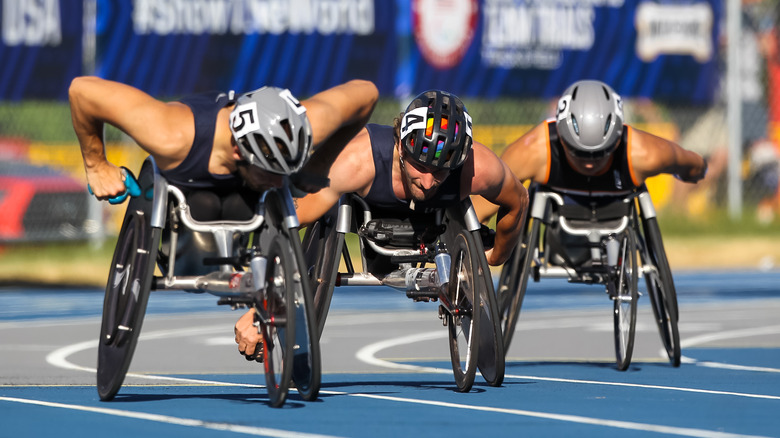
(443, 29)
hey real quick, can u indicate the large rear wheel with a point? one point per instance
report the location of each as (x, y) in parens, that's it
(514, 282)
(124, 305)
(463, 316)
(322, 247)
(625, 295)
(276, 314)
(660, 288)
(306, 370)
(491, 362)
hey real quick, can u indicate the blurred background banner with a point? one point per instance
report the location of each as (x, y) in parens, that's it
(41, 48)
(508, 59)
(474, 48)
(532, 48)
(175, 47)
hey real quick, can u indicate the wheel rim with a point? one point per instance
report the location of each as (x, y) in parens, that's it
(278, 333)
(625, 303)
(462, 324)
(124, 305)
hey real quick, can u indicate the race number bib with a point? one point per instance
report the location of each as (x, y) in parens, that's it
(243, 119)
(292, 101)
(563, 107)
(414, 119)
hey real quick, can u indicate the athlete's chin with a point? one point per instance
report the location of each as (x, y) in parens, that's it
(423, 195)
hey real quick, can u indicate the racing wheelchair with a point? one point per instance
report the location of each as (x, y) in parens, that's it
(431, 256)
(251, 263)
(595, 240)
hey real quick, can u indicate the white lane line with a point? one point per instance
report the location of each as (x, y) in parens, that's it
(682, 431)
(226, 427)
(59, 357)
(643, 386)
(368, 354)
(730, 334)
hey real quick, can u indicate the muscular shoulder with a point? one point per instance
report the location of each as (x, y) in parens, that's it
(353, 170)
(650, 154)
(483, 171)
(528, 156)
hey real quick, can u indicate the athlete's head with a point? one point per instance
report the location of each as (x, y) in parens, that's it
(434, 137)
(271, 130)
(436, 130)
(590, 121)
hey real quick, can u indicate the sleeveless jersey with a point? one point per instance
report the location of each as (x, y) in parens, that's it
(193, 172)
(618, 179)
(381, 194)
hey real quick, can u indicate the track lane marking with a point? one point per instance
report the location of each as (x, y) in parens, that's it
(645, 427)
(368, 355)
(729, 334)
(178, 421)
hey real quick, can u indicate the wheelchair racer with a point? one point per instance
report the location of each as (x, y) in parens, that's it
(427, 159)
(223, 149)
(587, 151)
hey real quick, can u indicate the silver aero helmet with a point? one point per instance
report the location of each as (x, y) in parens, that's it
(590, 119)
(271, 130)
(436, 130)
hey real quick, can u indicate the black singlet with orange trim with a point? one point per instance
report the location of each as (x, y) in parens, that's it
(616, 180)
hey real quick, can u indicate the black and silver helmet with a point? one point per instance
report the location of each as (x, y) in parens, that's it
(271, 130)
(590, 119)
(436, 130)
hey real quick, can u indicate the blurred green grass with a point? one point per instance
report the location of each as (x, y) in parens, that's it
(714, 243)
(87, 262)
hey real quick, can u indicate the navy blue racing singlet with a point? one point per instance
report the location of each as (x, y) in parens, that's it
(193, 172)
(381, 194)
(616, 180)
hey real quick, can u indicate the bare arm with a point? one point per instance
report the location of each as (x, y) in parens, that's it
(352, 171)
(526, 158)
(494, 181)
(652, 155)
(336, 116)
(163, 130)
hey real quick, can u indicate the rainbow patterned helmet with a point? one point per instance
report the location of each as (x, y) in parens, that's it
(436, 130)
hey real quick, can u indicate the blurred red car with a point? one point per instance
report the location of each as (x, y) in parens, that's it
(41, 204)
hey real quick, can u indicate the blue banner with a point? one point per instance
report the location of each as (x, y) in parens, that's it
(665, 50)
(41, 48)
(175, 47)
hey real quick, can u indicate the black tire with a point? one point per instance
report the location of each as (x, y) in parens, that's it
(322, 247)
(491, 361)
(514, 282)
(307, 367)
(660, 288)
(127, 294)
(277, 316)
(463, 319)
(625, 299)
